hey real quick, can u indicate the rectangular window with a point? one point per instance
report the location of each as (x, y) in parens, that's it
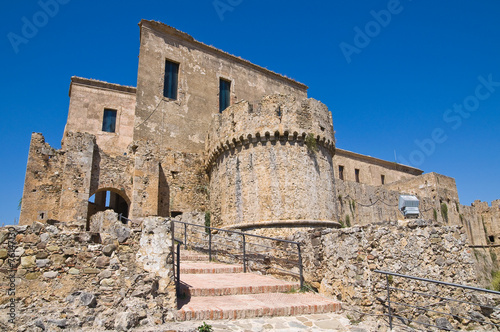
(382, 179)
(171, 74)
(341, 173)
(109, 121)
(356, 174)
(224, 95)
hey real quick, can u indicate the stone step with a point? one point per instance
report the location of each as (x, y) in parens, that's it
(233, 284)
(254, 305)
(209, 268)
(193, 256)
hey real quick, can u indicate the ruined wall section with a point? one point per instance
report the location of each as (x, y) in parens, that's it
(340, 263)
(65, 279)
(489, 216)
(43, 181)
(183, 183)
(77, 174)
(181, 125)
(362, 204)
(271, 163)
(432, 185)
(370, 169)
(88, 99)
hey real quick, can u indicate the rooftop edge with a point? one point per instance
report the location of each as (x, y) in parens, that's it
(159, 26)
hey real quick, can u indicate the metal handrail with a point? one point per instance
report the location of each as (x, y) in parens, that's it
(392, 315)
(244, 245)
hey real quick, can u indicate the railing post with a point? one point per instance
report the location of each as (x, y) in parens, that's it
(210, 246)
(300, 267)
(172, 251)
(389, 301)
(244, 254)
(178, 257)
(185, 236)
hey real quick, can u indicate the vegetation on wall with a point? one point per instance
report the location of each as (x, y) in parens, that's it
(207, 221)
(495, 281)
(311, 143)
(485, 231)
(347, 220)
(435, 214)
(444, 212)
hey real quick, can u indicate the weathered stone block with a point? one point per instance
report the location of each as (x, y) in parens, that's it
(91, 270)
(42, 262)
(88, 300)
(28, 261)
(33, 275)
(51, 274)
(102, 261)
(108, 249)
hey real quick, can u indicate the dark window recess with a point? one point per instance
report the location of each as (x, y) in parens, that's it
(356, 174)
(224, 95)
(171, 74)
(109, 121)
(492, 238)
(382, 179)
(175, 214)
(341, 173)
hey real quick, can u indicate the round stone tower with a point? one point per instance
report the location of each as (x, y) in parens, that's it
(270, 164)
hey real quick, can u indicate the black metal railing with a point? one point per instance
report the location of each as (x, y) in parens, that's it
(255, 252)
(427, 298)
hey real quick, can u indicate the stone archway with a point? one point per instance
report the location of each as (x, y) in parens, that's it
(108, 199)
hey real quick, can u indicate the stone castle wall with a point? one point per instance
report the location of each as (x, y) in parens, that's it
(181, 125)
(371, 170)
(262, 167)
(88, 99)
(65, 278)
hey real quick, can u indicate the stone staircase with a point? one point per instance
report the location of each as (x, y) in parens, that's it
(213, 291)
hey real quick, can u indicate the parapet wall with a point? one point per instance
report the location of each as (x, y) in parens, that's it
(274, 118)
(271, 164)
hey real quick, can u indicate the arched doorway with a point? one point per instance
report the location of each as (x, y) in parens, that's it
(108, 199)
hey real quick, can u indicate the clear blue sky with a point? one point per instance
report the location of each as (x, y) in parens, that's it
(414, 74)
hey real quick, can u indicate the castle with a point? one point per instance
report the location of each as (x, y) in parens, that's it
(206, 131)
(209, 137)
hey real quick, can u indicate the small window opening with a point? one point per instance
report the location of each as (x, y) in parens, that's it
(492, 238)
(171, 77)
(175, 214)
(356, 174)
(224, 95)
(41, 216)
(109, 121)
(382, 179)
(174, 174)
(341, 173)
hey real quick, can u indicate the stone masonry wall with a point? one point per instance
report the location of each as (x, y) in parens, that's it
(262, 167)
(340, 264)
(43, 181)
(181, 125)
(62, 278)
(370, 169)
(88, 99)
